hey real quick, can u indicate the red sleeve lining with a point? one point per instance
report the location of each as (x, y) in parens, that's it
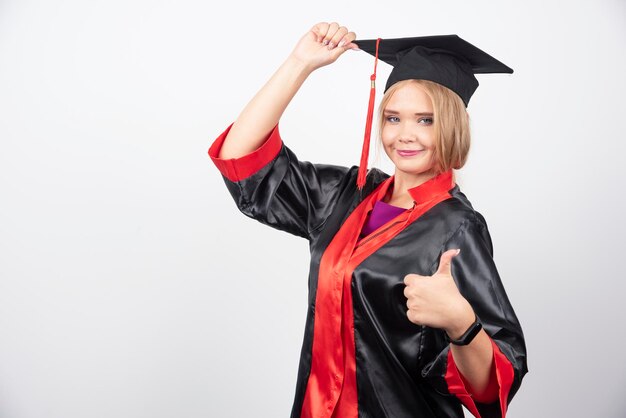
(236, 169)
(503, 380)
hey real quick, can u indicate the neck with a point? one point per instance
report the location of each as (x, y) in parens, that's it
(402, 182)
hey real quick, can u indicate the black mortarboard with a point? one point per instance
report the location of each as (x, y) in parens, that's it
(445, 59)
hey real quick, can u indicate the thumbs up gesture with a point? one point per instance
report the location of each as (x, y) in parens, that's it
(435, 301)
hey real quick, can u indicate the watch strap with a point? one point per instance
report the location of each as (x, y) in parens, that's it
(469, 335)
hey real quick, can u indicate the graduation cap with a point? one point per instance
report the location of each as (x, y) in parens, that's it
(445, 59)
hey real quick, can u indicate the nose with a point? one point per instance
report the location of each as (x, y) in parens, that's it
(406, 134)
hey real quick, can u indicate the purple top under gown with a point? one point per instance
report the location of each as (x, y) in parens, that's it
(380, 215)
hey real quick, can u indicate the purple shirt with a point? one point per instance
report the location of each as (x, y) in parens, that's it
(380, 215)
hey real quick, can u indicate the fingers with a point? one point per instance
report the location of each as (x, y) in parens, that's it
(412, 278)
(445, 262)
(337, 37)
(413, 283)
(334, 35)
(346, 41)
(415, 302)
(414, 317)
(330, 33)
(320, 30)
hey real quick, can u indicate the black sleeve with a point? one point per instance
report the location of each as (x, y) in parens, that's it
(272, 186)
(477, 278)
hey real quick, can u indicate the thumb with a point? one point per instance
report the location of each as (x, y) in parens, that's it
(445, 261)
(339, 50)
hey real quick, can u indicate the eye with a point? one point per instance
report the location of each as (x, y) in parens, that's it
(425, 121)
(392, 119)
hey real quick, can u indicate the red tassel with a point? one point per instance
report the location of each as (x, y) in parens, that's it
(361, 178)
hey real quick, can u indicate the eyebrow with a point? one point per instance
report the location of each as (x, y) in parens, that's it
(395, 112)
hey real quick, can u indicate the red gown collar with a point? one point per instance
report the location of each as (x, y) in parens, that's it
(441, 183)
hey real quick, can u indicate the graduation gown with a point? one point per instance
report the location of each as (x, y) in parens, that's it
(361, 356)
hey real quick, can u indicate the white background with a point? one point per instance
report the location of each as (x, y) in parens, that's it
(130, 285)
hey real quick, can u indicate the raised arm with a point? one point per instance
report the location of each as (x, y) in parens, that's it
(320, 46)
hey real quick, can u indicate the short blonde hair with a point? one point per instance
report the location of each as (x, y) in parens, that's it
(450, 121)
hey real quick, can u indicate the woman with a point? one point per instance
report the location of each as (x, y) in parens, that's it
(407, 315)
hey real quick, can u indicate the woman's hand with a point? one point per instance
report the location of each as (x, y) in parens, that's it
(323, 44)
(435, 301)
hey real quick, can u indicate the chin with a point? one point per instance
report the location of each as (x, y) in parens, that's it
(412, 170)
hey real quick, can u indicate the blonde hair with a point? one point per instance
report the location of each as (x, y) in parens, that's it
(450, 121)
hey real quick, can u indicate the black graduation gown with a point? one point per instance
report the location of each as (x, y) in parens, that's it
(400, 367)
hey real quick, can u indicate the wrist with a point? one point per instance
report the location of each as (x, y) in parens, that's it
(299, 66)
(462, 323)
(468, 336)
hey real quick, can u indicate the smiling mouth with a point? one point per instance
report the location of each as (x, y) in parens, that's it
(409, 153)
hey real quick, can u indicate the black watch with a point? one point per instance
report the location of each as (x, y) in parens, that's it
(469, 335)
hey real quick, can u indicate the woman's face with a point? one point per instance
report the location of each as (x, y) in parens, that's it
(408, 133)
